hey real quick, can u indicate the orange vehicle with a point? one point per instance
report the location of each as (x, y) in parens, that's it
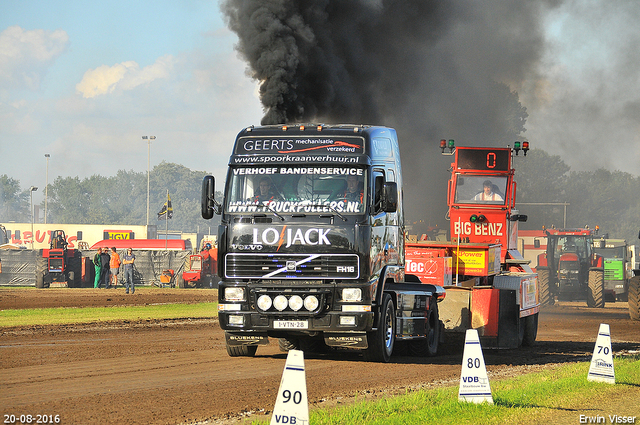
(489, 286)
(200, 271)
(58, 266)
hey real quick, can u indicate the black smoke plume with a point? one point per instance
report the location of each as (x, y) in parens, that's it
(431, 69)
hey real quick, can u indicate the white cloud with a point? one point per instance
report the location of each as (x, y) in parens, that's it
(124, 76)
(25, 56)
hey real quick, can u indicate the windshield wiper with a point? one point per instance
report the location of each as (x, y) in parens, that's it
(268, 207)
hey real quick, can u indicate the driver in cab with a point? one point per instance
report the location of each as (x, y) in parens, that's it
(265, 192)
(487, 193)
(353, 192)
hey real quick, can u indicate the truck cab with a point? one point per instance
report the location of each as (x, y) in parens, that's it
(311, 240)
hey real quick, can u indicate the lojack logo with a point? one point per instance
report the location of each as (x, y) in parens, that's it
(290, 236)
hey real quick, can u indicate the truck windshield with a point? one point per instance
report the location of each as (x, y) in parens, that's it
(472, 189)
(297, 189)
(613, 252)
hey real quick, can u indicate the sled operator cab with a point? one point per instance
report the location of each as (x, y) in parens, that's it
(490, 287)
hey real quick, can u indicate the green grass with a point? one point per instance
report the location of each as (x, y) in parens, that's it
(552, 396)
(69, 315)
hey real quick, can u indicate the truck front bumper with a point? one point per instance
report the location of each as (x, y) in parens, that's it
(334, 321)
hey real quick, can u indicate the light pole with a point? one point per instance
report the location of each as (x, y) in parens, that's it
(148, 139)
(46, 189)
(31, 190)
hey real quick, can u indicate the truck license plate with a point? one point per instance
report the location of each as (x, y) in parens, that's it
(291, 324)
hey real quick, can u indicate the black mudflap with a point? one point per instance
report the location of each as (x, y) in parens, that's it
(246, 338)
(509, 319)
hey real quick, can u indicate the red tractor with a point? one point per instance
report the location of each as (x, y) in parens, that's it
(570, 269)
(200, 270)
(58, 266)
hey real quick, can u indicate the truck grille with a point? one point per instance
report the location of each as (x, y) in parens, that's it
(292, 266)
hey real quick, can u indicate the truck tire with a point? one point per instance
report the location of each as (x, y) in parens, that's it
(312, 345)
(634, 298)
(286, 344)
(530, 330)
(546, 295)
(41, 270)
(381, 341)
(241, 350)
(428, 346)
(595, 291)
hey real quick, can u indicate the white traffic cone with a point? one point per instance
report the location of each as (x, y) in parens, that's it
(601, 369)
(292, 406)
(474, 382)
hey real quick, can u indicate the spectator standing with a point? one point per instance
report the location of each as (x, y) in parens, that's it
(128, 260)
(105, 272)
(97, 262)
(114, 264)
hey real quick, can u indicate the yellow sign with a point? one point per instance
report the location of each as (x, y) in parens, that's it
(117, 235)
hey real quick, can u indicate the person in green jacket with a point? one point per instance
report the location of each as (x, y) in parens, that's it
(97, 262)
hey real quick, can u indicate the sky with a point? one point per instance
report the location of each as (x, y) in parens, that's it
(84, 81)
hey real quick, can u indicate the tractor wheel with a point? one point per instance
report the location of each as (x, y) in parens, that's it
(428, 347)
(546, 296)
(530, 330)
(241, 350)
(595, 292)
(634, 298)
(286, 344)
(381, 340)
(41, 270)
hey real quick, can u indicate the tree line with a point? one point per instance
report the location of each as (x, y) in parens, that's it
(120, 199)
(600, 197)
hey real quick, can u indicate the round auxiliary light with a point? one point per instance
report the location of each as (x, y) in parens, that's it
(280, 302)
(295, 302)
(311, 302)
(264, 302)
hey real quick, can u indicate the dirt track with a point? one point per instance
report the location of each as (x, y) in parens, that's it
(169, 372)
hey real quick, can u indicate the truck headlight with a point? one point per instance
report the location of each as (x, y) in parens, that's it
(295, 302)
(233, 293)
(352, 294)
(280, 302)
(311, 302)
(264, 302)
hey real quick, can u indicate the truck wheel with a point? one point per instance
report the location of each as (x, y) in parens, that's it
(546, 296)
(41, 270)
(312, 345)
(530, 330)
(634, 298)
(286, 344)
(241, 350)
(428, 346)
(381, 340)
(595, 292)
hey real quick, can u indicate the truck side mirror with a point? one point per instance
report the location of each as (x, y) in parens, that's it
(390, 197)
(536, 243)
(207, 202)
